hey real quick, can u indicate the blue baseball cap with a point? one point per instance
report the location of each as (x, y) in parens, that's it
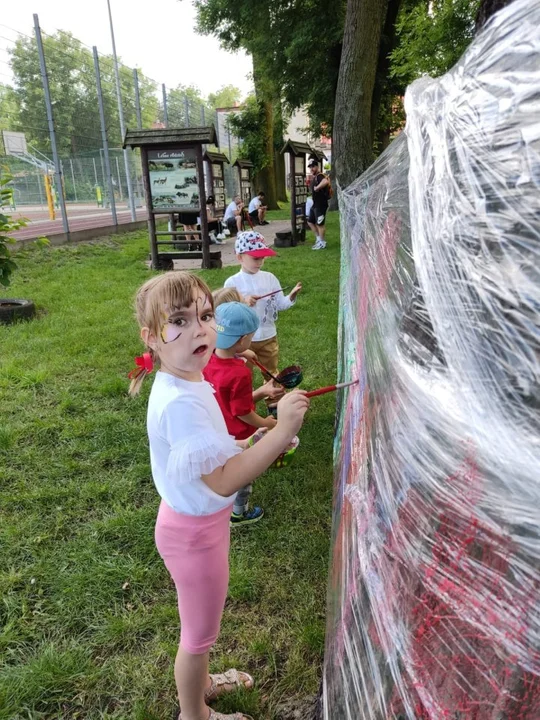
(233, 321)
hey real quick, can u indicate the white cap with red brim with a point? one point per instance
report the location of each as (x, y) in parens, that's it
(251, 242)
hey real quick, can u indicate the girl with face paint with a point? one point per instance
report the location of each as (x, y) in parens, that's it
(197, 469)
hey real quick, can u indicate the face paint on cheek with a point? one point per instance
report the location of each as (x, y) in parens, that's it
(165, 319)
(170, 333)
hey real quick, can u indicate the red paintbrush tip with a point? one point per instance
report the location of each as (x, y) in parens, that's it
(329, 388)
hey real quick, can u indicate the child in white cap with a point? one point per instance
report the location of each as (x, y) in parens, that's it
(252, 282)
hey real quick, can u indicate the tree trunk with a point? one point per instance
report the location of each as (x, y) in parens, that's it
(281, 185)
(264, 91)
(388, 43)
(383, 139)
(279, 159)
(487, 9)
(333, 202)
(267, 176)
(352, 150)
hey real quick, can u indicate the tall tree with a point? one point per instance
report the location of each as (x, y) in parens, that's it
(487, 9)
(75, 111)
(226, 96)
(432, 38)
(427, 38)
(8, 108)
(70, 69)
(352, 149)
(184, 106)
(246, 124)
(309, 59)
(248, 25)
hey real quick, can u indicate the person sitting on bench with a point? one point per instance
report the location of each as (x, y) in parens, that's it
(257, 210)
(233, 215)
(214, 224)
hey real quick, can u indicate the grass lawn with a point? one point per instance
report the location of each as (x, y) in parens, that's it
(284, 212)
(88, 618)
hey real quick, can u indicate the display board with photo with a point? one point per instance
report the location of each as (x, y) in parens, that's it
(174, 179)
(299, 165)
(218, 186)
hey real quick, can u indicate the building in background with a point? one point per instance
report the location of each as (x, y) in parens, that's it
(297, 130)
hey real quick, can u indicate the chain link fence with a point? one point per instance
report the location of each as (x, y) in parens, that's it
(54, 85)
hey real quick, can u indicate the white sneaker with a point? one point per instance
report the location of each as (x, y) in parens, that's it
(221, 236)
(319, 245)
(227, 232)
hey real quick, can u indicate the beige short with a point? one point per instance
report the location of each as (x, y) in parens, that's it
(267, 352)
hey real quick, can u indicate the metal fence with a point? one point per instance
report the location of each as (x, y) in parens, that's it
(70, 159)
(84, 180)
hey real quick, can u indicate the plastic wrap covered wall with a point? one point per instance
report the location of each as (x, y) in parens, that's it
(434, 597)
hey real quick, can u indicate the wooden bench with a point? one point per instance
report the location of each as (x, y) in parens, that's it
(166, 259)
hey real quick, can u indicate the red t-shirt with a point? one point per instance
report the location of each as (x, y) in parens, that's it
(232, 381)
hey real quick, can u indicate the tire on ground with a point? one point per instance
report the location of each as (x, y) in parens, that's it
(13, 309)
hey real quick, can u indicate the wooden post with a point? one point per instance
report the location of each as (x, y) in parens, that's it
(298, 199)
(293, 196)
(204, 216)
(216, 183)
(219, 191)
(239, 176)
(211, 177)
(250, 183)
(151, 218)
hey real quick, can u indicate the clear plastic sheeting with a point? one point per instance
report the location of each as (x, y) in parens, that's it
(434, 599)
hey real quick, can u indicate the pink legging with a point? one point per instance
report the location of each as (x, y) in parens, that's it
(195, 550)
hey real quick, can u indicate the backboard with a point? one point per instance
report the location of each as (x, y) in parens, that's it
(14, 143)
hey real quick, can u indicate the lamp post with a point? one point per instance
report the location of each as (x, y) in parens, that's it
(121, 118)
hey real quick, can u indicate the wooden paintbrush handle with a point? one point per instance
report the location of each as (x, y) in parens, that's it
(264, 370)
(329, 388)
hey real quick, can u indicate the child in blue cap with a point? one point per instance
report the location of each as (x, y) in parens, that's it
(236, 323)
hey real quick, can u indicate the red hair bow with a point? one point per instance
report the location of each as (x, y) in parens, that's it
(143, 362)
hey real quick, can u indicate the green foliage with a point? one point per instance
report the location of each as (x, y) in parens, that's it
(246, 125)
(250, 25)
(391, 118)
(235, 24)
(8, 108)
(432, 37)
(310, 37)
(298, 48)
(226, 96)
(7, 226)
(70, 69)
(176, 105)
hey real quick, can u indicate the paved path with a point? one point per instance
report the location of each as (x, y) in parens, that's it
(228, 256)
(80, 217)
(85, 217)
